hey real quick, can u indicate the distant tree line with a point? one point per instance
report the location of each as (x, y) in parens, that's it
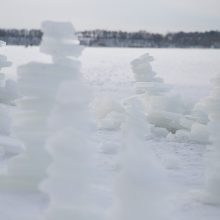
(210, 39)
(103, 38)
(21, 37)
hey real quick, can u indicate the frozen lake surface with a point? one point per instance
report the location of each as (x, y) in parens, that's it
(109, 73)
(189, 70)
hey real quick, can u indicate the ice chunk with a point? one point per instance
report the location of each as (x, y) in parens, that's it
(58, 30)
(59, 48)
(145, 58)
(142, 69)
(164, 119)
(105, 105)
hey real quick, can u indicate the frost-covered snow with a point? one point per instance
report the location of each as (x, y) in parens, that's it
(109, 74)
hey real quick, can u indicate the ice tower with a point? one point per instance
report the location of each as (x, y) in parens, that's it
(38, 84)
(162, 109)
(70, 173)
(141, 185)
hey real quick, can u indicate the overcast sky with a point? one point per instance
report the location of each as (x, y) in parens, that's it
(151, 15)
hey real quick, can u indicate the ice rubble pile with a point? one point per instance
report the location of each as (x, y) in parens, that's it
(38, 84)
(212, 106)
(141, 186)
(167, 112)
(194, 126)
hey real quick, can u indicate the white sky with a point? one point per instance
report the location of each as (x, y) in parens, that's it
(150, 15)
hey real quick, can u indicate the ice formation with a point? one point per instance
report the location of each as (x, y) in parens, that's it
(166, 110)
(199, 130)
(141, 184)
(163, 109)
(38, 84)
(193, 126)
(143, 72)
(212, 106)
(109, 113)
(70, 174)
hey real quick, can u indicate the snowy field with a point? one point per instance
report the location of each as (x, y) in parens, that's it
(109, 74)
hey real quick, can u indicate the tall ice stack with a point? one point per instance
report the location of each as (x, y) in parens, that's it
(70, 174)
(141, 187)
(163, 110)
(38, 83)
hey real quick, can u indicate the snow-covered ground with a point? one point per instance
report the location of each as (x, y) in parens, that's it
(109, 73)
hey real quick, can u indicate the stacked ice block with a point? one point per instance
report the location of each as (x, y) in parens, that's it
(38, 84)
